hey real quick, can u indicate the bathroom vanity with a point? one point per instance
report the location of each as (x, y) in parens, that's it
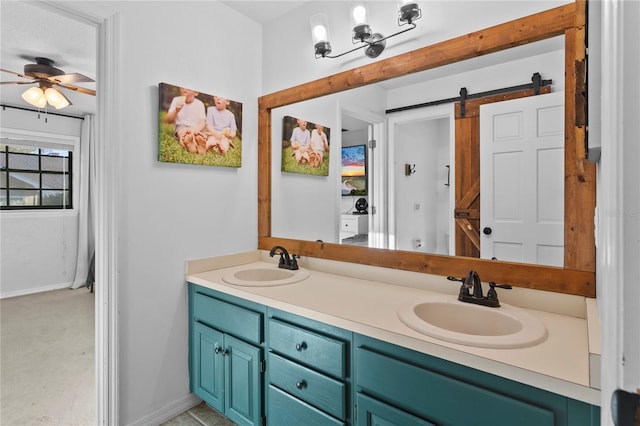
(328, 348)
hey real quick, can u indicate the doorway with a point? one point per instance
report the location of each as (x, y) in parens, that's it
(364, 213)
(421, 170)
(69, 18)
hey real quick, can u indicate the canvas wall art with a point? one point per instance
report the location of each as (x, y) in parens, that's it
(198, 128)
(354, 170)
(305, 147)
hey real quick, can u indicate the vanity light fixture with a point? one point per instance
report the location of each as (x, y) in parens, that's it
(373, 43)
(39, 96)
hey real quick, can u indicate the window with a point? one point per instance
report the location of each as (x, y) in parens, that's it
(35, 177)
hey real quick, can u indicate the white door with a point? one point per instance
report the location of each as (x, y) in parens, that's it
(522, 180)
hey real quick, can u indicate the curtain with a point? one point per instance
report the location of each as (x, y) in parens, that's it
(86, 206)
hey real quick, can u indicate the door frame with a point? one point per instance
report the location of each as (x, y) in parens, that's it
(106, 261)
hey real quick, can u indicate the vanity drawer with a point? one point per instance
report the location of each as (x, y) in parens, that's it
(315, 350)
(440, 398)
(227, 317)
(317, 389)
(284, 409)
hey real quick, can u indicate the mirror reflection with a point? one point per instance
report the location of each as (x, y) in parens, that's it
(407, 198)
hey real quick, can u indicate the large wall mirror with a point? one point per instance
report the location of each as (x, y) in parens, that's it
(575, 264)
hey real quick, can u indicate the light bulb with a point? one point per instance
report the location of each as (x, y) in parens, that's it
(55, 98)
(319, 33)
(319, 25)
(35, 97)
(359, 15)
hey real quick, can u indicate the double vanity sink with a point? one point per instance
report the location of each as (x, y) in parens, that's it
(537, 339)
(441, 317)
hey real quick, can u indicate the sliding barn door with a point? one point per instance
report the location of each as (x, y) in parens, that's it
(467, 170)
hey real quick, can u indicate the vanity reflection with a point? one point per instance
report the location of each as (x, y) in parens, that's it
(298, 210)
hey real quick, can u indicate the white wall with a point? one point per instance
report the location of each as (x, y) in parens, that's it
(631, 278)
(422, 209)
(169, 213)
(48, 239)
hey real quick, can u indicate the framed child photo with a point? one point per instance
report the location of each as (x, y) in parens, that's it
(305, 147)
(198, 128)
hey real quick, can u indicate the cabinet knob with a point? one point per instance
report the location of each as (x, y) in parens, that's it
(301, 384)
(219, 350)
(301, 346)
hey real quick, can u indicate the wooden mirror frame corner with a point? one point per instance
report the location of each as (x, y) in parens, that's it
(577, 277)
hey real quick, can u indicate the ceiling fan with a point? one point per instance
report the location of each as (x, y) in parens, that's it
(47, 76)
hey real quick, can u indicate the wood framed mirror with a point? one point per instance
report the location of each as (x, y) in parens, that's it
(577, 276)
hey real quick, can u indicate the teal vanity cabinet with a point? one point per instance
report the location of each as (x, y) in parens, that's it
(259, 365)
(226, 354)
(398, 386)
(309, 372)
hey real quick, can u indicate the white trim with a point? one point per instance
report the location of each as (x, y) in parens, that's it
(168, 412)
(107, 135)
(611, 200)
(39, 213)
(34, 290)
(108, 131)
(50, 140)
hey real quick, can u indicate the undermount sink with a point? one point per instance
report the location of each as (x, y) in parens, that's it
(265, 276)
(474, 325)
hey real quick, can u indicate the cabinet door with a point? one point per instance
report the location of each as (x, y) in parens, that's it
(207, 376)
(372, 412)
(244, 382)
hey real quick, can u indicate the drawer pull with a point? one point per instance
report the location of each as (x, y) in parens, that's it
(301, 384)
(219, 350)
(301, 346)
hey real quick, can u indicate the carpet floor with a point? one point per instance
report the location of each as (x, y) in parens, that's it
(47, 359)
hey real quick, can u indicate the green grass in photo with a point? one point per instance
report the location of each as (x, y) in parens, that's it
(289, 164)
(171, 151)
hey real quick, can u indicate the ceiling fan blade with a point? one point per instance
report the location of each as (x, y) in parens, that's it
(78, 89)
(17, 82)
(71, 78)
(18, 74)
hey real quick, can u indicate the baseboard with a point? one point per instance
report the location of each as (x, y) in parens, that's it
(169, 411)
(34, 290)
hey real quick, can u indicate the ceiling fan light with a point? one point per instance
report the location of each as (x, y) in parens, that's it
(56, 98)
(35, 97)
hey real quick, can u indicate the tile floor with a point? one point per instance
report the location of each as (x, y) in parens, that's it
(200, 415)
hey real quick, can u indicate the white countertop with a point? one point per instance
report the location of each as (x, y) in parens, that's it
(560, 364)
